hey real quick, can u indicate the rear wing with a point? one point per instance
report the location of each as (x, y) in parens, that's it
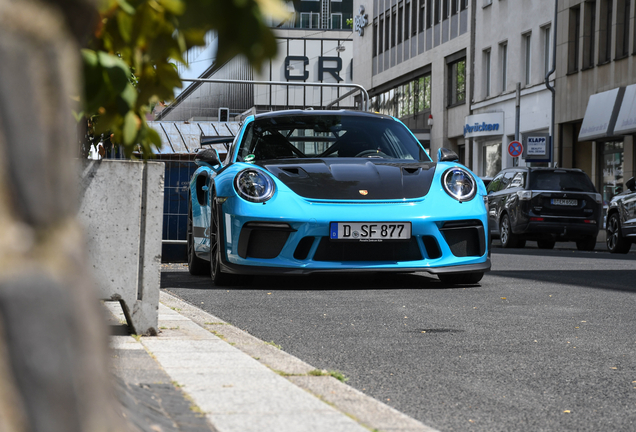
(211, 140)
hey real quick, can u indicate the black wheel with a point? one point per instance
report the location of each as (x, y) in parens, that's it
(196, 265)
(216, 240)
(586, 243)
(508, 239)
(546, 244)
(616, 243)
(460, 278)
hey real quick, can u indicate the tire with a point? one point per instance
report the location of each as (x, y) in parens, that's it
(196, 266)
(508, 239)
(460, 278)
(546, 244)
(586, 243)
(219, 278)
(616, 243)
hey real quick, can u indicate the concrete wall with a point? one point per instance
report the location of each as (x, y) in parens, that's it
(121, 207)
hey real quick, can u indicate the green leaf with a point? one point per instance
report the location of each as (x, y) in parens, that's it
(125, 26)
(126, 7)
(175, 7)
(131, 126)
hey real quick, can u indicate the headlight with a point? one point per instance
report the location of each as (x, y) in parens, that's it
(459, 184)
(254, 185)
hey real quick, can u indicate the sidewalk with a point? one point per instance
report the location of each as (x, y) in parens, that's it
(202, 374)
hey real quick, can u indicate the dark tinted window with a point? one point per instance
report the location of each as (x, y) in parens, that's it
(326, 135)
(519, 180)
(561, 181)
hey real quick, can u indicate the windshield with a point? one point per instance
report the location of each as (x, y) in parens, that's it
(329, 136)
(561, 181)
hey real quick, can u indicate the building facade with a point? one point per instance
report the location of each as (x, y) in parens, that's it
(596, 90)
(513, 47)
(413, 58)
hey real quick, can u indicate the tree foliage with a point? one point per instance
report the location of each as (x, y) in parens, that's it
(129, 63)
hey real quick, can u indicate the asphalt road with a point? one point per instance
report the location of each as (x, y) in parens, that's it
(547, 341)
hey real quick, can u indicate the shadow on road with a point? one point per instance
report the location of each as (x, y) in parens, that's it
(616, 280)
(597, 255)
(361, 282)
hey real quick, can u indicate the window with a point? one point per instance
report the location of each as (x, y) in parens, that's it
(527, 46)
(375, 38)
(486, 58)
(503, 59)
(438, 11)
(454, 7)
(414, 18)
(393, 28)
(445, 9)
(589, 33)
(457, 82)
(309, 19)
(546, 49)
(381, 36)
(429, 13)
(463, 4)
(421, 15)
(407, 21)
(573, 39)
(622, 28)
(605, 32)
(400, 28)
(336, 20)
(387, 33)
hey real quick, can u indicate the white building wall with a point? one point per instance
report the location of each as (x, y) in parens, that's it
(506, 22)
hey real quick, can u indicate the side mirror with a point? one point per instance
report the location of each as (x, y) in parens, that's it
(208, 156)
(631, 184)
(446, 155)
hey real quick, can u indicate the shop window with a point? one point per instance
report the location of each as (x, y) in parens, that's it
(573, 39)
(457, 82)
(491, 159)
(605, 32)
(612, 170)
(622, 28)
(589, 30)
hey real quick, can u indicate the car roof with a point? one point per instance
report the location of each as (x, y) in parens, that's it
(297, 112)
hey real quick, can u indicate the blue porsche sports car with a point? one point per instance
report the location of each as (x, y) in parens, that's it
(334, 191)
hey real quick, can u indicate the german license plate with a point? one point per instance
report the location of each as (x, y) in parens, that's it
(564, 202)
(370, 231)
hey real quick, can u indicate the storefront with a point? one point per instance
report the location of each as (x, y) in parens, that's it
(487, 133)
(610, 122)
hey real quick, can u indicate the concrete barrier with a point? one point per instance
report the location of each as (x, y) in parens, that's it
(121, 206)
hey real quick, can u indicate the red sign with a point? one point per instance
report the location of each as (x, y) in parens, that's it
(515, 149)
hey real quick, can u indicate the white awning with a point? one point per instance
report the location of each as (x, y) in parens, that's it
(626, 120)
(600, 115)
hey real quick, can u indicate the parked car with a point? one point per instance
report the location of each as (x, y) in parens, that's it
(621, 220)
(546, 205)
(334, 191)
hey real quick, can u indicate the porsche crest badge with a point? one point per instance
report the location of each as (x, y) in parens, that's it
(363, 192)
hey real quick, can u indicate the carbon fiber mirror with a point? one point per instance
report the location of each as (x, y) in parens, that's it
(446, 155)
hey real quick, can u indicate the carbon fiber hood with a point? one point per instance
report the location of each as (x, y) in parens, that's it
(354, 179)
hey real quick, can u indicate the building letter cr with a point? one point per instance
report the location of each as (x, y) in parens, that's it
(333, 71)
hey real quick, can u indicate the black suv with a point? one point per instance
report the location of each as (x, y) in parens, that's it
(546, 205)
(621, 220)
